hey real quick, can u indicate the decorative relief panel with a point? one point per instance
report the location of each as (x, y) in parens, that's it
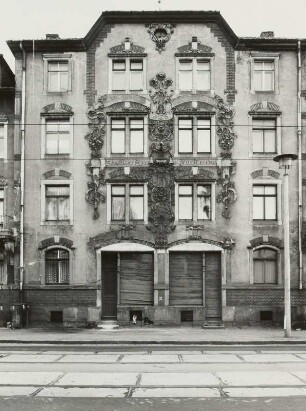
(95, 137)
(57, 108)
(126, 48)
(264, 107)
(160, 34)
(266, 240)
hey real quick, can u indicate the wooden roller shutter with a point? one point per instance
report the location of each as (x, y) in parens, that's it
(186, 278)
(213, 286)
(136, 278)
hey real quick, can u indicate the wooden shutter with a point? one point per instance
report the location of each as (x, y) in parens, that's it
(186, 278)
(136, 278)
(213, 285)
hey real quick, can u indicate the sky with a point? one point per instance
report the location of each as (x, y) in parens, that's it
(32, 19)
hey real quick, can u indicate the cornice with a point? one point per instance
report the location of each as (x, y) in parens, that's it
(43, 46)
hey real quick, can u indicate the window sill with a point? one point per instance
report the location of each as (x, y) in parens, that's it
(58, 93)
(53, 223)
(57, 156)
(265, 223)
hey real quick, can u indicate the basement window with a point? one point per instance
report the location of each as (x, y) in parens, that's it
(186, 316)
(56, 316)
(266, 315)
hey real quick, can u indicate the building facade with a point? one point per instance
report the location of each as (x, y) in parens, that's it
(149, 184)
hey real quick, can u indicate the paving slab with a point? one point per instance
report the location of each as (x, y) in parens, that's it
(266, 358)
(170, 358)
(258, 378)
(220, 358)
(183, 379)
(90, 358)
(30, 358)
(300, 374)
(265, 392)
(16, 391)
(80, 379)
(28, 378)
(82, 392)
(176, 392)
(176, 352)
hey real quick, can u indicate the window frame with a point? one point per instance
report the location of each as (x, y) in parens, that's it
(265, 197)
(279, 264)
(127, 197)
(58, 117)
(52, 58)
(5, 131)
(264, 57)
(194, 59)
(127, 138)
(127, 59)
(44, 184)
(278, 134)
(3, 202)
(58, 248)
(195, 196)
(269, 182)
(195, 118)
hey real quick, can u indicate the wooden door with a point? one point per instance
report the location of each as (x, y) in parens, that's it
(213, 301)
(186, 278)
(109, 285)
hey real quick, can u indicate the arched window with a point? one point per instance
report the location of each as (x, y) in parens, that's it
(57, 266)
(265, 266)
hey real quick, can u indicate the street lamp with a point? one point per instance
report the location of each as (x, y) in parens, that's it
(285, 162)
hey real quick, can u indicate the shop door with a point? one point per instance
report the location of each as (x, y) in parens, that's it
(213, 286)
(109, 285)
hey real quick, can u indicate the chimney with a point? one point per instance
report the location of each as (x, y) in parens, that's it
(267, 35)
(52, 37)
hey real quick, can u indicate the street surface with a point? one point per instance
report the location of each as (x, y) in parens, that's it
(127, 377)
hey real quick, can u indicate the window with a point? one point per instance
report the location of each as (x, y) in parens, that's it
(264, 202)
(3, 140)
(194, 202)
(194, 135)
(194, 74)
(128, 202)
(127, 136)
(1, 207)
(57, 266)
(264, 136)
(58, 136)
(58, 76)
(127, 74)
(57, 203)
(263, 75)
(57, 72)
(265, 266)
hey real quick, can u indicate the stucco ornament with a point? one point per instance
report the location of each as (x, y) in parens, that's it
(225, 125)
(95, 170)
(160, 33)
(228, 194)
(228, 243)
(161, 105)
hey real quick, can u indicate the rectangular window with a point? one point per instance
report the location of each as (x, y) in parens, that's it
(118, 136)
(127, 136)
(58, 76)
(136, 75)
(136, 202)
(185, 202)
(194, 135)
(127, 74)
(263, 75)
(264, 202)
(194, 74)
(264, 136)
(57, 266)
(2, 141)
(118, 203)
(57, 203)
(204, 202)
(58, 136)
(136, 135)
(185, 141)
(127, 202)
(265, 266)
(1, 207)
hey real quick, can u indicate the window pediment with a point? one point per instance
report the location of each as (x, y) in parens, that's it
(266, 240)
(127, 107)
(264, 173)
(265, 108)
(194, 107)
(56, 241)
(194, 48)
(56, 173)
(126, 48)
(57, 109)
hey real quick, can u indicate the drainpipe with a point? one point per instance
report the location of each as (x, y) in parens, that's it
(23, 99)
(299, 132)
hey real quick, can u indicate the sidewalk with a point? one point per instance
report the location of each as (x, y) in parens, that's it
(153, 335)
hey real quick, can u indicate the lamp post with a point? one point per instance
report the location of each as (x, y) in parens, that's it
(285, 162)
